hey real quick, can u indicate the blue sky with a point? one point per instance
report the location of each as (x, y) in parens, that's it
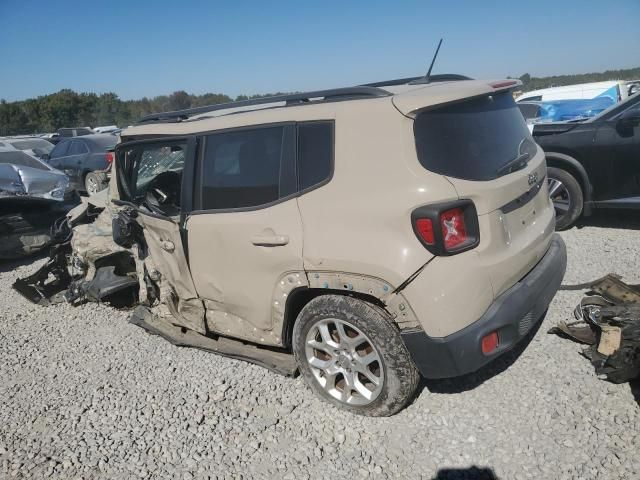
(147, 48)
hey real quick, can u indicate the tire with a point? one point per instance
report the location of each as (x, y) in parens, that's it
(379, 352)
(566, 195)
(95, 182)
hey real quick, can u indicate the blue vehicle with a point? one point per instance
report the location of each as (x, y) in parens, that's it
(564, 110)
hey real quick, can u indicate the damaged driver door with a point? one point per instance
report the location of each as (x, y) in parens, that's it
(150, 175)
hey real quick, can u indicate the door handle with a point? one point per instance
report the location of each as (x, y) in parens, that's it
(270, 240)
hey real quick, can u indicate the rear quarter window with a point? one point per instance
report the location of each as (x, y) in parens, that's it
(473, 139)
(315, 153)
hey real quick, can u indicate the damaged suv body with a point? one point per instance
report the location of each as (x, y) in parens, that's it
(376, 232)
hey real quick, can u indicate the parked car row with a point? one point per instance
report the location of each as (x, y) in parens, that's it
(84, 158)
(593, 163)
(591, 143)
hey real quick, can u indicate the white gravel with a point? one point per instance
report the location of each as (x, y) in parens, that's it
(84, 394)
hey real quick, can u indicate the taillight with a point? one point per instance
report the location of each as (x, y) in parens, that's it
(424, 226)
(447, 229)
(109, 157)
(454, 230)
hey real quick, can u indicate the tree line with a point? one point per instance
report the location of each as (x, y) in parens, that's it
(67, 108)
(534, 83)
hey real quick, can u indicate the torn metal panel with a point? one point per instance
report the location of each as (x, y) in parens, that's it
(609, 322)
(164, 242)
(277, 361)
(48, 283)
(395, 303)
(26, 224)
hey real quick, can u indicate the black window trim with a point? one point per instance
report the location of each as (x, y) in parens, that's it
(291, 164)
(332, 123)
(188, 177)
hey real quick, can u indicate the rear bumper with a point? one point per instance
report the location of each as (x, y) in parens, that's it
(513, 314)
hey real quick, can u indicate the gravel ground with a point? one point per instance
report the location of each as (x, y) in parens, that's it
(83, 394)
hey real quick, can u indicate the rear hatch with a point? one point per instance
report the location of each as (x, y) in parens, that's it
(483, 147)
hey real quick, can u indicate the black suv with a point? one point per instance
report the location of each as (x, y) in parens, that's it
(593, 162)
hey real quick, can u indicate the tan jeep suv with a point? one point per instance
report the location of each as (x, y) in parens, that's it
(377, 232)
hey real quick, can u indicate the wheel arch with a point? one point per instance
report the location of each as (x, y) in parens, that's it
(569, 163)
(300, 297)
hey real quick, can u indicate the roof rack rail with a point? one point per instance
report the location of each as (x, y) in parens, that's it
(333, 95)
(443, 77)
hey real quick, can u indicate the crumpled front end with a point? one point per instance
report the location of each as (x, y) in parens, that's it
(85, 263)
(19, 181)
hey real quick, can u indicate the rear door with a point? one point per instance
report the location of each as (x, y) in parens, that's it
(484, 148)
(246, 231)
(618, 147)
(58, 153)
(156, 176)
(74, 161)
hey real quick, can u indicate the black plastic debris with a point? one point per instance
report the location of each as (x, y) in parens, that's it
(608, 321)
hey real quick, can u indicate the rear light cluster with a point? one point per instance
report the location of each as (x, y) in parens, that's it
(109, 157)
(447, 229)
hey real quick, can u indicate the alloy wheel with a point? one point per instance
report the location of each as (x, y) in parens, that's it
(560, 197)
(344, 361)
(91, 185)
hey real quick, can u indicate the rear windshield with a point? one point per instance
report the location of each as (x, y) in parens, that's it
(102, 144)
(21, 159)
(32, 144)
(472, 140)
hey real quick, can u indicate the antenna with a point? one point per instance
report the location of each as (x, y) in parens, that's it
(435, 55)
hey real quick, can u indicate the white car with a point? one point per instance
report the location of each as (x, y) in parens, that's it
(34, 146)
(106, 129)
(616, 89)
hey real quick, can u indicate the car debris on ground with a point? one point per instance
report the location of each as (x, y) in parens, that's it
(85, 264)
(608, 320)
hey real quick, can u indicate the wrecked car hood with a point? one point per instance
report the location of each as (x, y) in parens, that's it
(17, 180)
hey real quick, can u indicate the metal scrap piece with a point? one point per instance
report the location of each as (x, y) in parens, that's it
(609, 322)
(615, 290)
(275, 360)
(610, 338)
(579, 331)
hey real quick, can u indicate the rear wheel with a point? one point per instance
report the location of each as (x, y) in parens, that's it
(351, 354)
(566, 195)
(94, 182)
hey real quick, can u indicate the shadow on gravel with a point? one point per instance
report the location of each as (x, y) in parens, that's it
(475, 379)
(623, 219)
(8, 265)
(472, 473)
(635, 389)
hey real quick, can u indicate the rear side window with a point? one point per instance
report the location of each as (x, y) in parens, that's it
(21, 159)
(77, 148)
(241, 169)
(315, 153)
(472, 140)
(60, 150)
